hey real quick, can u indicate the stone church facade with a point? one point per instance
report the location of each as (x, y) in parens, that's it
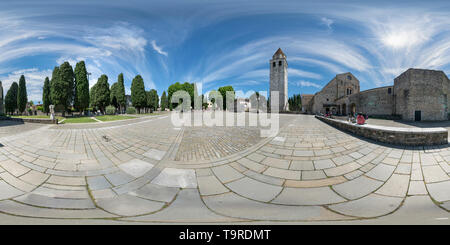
(417, 94)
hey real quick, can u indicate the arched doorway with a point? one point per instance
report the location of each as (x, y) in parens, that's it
(353, 108)
(344, 109)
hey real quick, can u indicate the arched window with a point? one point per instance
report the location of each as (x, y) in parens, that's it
(279, 63)
(389, 90)
(274, 64)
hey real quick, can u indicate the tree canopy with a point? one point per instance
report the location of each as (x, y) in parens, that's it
(227, 102)
(46, 96)
(81, 97)
(152, 99)
(295, 102)
(22, 97)
(101, 93)
(11, 98)
(138, 95)
(164, 101)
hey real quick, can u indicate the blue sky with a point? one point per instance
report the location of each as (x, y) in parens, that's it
(216, 43)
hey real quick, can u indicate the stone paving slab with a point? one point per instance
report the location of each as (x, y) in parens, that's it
(254, 189)
(372, 205)
(357, 188)
(172, 177)
(127, 205)
(307, 196)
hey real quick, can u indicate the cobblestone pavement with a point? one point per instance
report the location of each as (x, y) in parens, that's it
(147, 170)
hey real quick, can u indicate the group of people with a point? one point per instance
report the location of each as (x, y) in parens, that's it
(360, 118)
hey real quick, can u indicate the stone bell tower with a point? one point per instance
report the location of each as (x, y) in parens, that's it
(279, 79)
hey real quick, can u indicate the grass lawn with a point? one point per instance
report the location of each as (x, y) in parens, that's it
(78, 120)
(106, 118)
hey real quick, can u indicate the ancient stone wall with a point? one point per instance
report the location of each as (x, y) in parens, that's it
(374, 102)
(424, 92)
(391, 135)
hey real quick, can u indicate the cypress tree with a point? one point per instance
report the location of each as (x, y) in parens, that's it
(46, 95)
(102, 93)
(11, 98)
(164, 101)
(81, 101)
(113, 94)
(22, 97)
(120, 93)
(138, 95)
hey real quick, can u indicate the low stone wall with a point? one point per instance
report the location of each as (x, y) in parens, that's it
(393, 135)
(32, 120)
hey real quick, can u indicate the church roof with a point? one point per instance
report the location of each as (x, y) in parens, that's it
(279, 53)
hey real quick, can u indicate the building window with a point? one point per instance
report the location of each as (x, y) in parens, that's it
(349, 77)
(279, 63)
(389, 90)
(350, 91)
(327, 99)
(274, 64)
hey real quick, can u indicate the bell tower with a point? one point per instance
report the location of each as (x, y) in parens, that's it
(279, 79)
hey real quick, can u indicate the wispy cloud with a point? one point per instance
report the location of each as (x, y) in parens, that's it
(327, 22)
(158, 49)
(303, 83)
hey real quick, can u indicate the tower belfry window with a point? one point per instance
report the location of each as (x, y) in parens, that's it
(274, 64)
(280, 62)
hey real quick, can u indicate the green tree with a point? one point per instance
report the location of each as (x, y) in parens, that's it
(138, 95)
(227, 101)
(92, 96)
(152, 99)
(11, 98)
(81, 99)
(62, 86)
(113, 95)
(120, 93)
(295, 102)
(164, 101)
(102, 93)
(188, 87)
(46, 96)
(22, 95)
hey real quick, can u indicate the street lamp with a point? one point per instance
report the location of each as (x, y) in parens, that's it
(88, 74)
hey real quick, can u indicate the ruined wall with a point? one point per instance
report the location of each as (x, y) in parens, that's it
(422, 90)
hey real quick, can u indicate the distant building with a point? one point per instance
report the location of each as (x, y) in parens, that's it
(129, 102)
(417, 94)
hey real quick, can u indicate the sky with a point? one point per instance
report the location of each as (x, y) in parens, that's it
(216, 43)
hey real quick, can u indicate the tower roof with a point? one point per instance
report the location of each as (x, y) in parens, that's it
(279, 54)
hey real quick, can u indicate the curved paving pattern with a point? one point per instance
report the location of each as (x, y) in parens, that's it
(148, 170)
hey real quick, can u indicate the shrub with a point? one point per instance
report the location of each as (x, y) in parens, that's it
(40, 108)
(110, 110)
(131, 110)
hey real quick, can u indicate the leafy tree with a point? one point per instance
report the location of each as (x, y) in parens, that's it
(81, 99)
(92, 96)
(46, 96)
(138, 95)
(120, 93)
(227, 101)
(11, 98)
(62, 85)
(152, 99)
(102, 93)
(216, 99)
(164, 101)
(295, 102)
(113, 95)
(188, 87)
(22, 95)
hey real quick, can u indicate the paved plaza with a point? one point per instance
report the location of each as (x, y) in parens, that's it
(147, 170)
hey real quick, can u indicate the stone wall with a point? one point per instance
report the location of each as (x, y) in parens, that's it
(31, 120)
(393, 135)
(374, 102)
(422, 90)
